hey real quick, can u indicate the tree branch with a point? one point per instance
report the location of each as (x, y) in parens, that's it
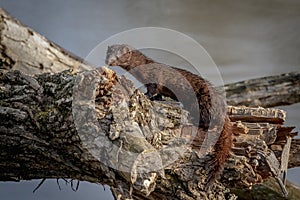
(91, 127)
(267, 92)
(97, 127)
(25, 50)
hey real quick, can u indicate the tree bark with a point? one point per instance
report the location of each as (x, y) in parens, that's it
(96, 127)
(266, 92)
(100, 131)
(25, 50)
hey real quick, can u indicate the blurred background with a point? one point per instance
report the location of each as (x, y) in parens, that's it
(246, 39)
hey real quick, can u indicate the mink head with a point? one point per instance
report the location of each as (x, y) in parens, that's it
(119, 55)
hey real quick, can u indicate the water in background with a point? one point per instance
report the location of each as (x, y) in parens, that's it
(246, 39)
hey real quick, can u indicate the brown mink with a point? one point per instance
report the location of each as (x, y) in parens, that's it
(208, 111)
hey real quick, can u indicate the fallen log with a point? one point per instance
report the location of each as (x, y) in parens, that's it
(60, 125)
(271, 91)
(43, 118)
(25, 50)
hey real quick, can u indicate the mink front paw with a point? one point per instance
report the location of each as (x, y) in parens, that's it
(155, 97)
(152, 92)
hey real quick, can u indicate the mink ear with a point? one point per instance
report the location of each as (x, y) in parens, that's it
(108, 48)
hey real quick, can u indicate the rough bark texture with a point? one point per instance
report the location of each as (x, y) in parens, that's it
(98, 132)
(96, 127)
(294, 160)
(38, 135)
(24, 49)
(269, 91)
(268, 190)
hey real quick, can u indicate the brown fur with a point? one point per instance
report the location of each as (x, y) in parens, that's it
(161, 79)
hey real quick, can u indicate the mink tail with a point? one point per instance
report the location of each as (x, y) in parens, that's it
(222, 151)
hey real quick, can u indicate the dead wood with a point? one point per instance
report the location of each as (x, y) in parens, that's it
(97, 127)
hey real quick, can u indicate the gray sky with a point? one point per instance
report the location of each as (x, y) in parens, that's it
(246, 39)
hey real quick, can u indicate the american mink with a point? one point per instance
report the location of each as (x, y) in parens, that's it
(208, 110)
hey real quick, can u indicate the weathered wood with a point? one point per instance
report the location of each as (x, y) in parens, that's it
(38, 136)
(89, 127)
(267, 92)
(268, 190)
(255, 142)
(24, 49)
(246, 114)
(294, 160)
(38, 128)
(40, 117)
